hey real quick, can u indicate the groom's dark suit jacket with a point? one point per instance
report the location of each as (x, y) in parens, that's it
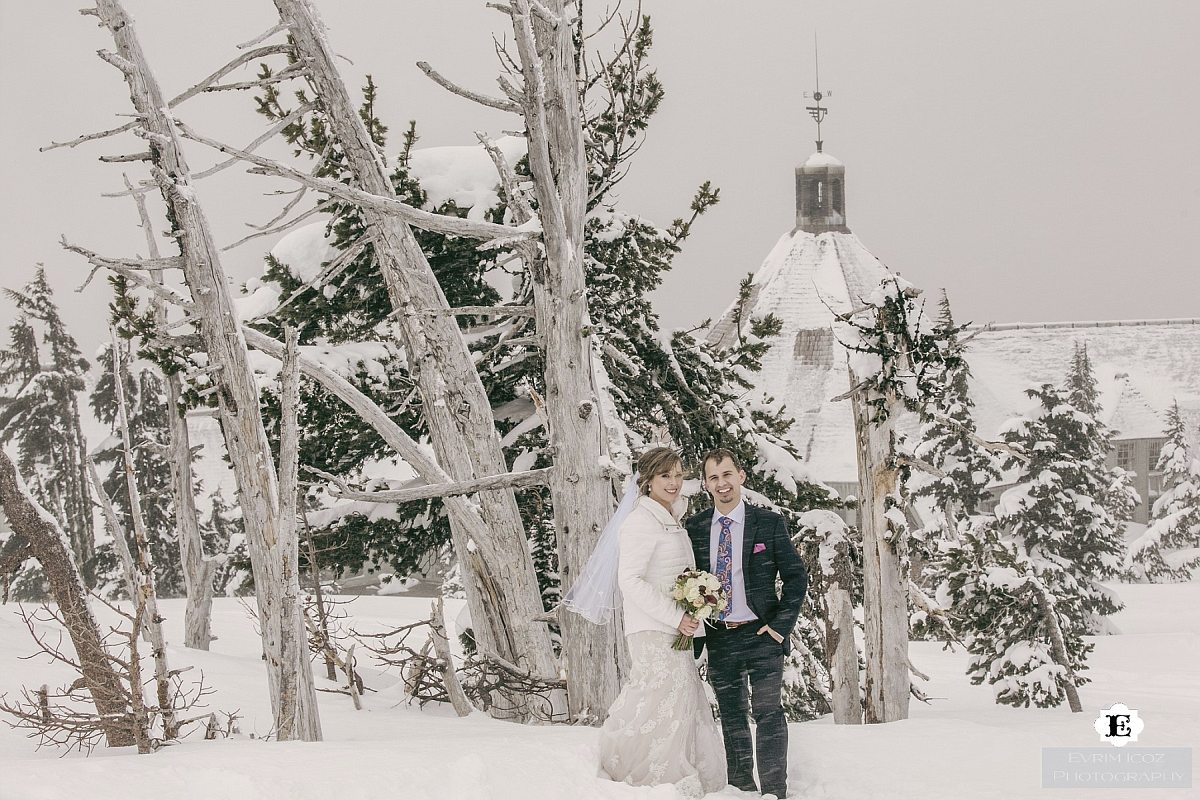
(777, 557)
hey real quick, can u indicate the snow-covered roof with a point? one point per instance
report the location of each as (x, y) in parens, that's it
(822, 160)
(1141, 366)
(803, 281)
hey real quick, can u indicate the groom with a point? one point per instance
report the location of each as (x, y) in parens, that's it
(747, 547)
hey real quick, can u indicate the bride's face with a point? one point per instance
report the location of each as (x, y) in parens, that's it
(666, 485)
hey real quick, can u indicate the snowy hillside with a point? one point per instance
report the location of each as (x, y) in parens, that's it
(961, 746)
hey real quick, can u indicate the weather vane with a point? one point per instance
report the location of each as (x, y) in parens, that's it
(817, 112)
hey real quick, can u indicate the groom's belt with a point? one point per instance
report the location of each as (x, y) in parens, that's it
(731, 625)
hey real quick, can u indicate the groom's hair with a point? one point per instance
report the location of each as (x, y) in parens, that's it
(717, 455)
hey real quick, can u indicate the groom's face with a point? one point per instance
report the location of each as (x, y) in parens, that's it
(724, 482)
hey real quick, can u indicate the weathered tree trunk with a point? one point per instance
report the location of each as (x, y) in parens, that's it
(1057, 647)
(141, 582)
(197, 570)
(841, 650)
(49, 545)
(294, 716)
(885, 584)
(498, 575)
(582, 493)
(213, 314)
(441, 646)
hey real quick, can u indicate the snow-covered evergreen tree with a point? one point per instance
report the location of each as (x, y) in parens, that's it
(1056, 507)
(1051, 544)
(1022, 615)
(1169, 549)
(41, 375)
(145, 394)
(1118, 495)
(343, 303)
(949, 442)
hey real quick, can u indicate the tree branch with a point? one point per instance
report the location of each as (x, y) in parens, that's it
(131, 273)
(483, 100)
(993, 447)
(192, 92)
(492, 311)
(511, 480)
(517, 200)
(439, 223)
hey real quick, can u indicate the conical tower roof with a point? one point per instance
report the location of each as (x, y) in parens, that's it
(805, 280)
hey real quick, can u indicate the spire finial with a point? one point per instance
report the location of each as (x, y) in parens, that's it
(817, 112)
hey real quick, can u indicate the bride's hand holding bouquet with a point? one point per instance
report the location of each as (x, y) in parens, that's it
(701, 597)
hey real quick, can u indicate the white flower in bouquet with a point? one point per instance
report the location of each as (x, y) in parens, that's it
(700, 595)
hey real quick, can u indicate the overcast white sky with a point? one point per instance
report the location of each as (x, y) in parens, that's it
(1039, 160)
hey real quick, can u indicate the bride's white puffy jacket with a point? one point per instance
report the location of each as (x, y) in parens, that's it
(654, 550)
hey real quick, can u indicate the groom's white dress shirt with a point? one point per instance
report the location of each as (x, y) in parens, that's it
(654, 550)
(739, 611)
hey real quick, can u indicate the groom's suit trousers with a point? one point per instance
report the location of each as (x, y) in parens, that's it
(746, 673)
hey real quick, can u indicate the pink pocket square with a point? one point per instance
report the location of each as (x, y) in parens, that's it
(760, 547)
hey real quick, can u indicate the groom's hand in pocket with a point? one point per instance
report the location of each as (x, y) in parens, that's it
(768, 630)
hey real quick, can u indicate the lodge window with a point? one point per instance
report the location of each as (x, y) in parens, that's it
(1155, 452)
(1125, 456)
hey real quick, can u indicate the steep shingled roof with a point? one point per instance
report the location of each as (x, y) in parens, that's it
(1141, 366)
(804, 280)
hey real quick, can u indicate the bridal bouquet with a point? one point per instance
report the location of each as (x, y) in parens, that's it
(701, 595)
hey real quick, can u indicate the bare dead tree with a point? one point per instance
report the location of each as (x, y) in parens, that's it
(64, 718)
(499, 578)
(885, 576)
(142, 589)
(548, 99)
(48, 544)
(211, 311)
(894, 369)
(582, 492)
(197, 570)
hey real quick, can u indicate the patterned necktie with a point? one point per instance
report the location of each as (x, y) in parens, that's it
(725, 563)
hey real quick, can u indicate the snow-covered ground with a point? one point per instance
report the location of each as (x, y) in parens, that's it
(960, 746)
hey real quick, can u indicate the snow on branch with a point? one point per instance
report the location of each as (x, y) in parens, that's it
(405, 446)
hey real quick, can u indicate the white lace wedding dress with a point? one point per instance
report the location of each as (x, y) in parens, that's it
(660, 729)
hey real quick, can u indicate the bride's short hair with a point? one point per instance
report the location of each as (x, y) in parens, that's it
(654, 461)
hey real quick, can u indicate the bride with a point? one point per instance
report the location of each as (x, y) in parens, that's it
(660, 729)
